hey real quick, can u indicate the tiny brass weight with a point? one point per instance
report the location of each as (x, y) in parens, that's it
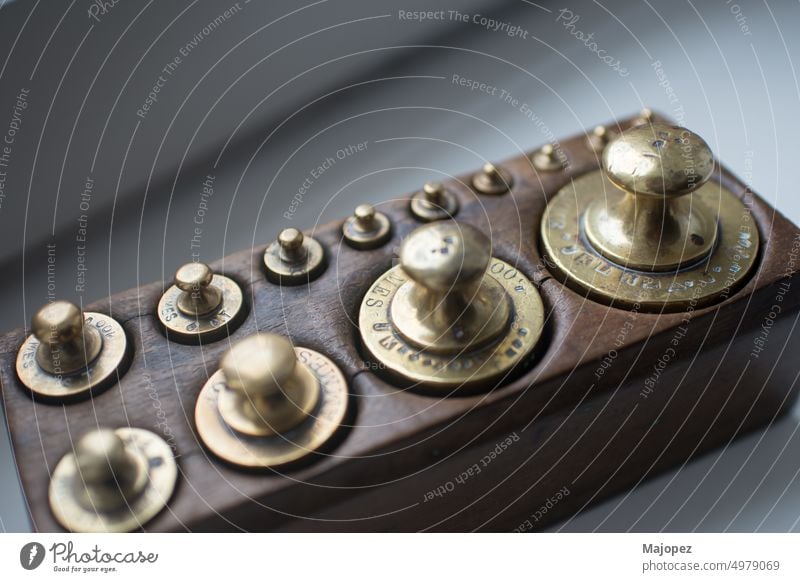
(434, 202)
(598, 139)
(71, 354)
(201, 306)
(645, 116)
(270, 404)
(546, 159)
(649, 229)
(294, 259)
(114, 481)
(492, 180)
(450, 317)
(367, 228)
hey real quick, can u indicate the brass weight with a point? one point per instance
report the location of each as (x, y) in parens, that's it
(367, 228)
(201, 306)
(270, 404)
(648, 229)
(294, 259)
(71, 354)
(434, 202)
(492, 180)
(113, 481)
(450, 317)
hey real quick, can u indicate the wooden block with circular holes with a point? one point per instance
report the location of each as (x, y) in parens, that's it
(609, 396)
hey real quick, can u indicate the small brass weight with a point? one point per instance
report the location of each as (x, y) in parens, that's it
(649, 229)
(114, 481)
(294, 259)
(71, 354)
(270, 404)
(201, 305)
(450, 317)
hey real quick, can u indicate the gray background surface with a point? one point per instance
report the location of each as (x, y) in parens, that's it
(278, 87)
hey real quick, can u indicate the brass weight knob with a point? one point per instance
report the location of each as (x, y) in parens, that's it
(70, 353)
(111, 474)
(114, 481)
(270, 404)
(434, 202)
(291, 245)
(653, 224)
(492, 180)
(649, 230)
(450, 316)
(546, 159)
(269, 392)
(66, 343)
(294, 258)
(202, 306)
(367, 228)
(199, 296)
(450, 303)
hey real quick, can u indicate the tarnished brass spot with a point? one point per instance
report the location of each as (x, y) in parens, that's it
(492, 180)
(200, 306)
(270, 404)
(293, 258)
(450, 317)
(115, 481)
(434, 202)
(670, 242)
(70, 354)
(367, 228)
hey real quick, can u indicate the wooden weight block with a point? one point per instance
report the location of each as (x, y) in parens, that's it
(611, 395)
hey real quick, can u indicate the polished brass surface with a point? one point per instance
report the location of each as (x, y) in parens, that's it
(434, 202)
(200, 306)
(672, 242)
(492, 180)
(268, 391)
(70, 353)
(114, 481)
(546, 159)
(450, 317)
(650, 223)
(367, 228)
(293, 258)
(270, 404)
